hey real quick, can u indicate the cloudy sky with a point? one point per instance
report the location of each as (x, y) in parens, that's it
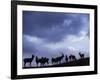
(50, 33)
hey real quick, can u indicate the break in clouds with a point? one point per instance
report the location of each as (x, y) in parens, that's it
(50, 33)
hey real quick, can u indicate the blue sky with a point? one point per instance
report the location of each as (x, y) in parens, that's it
(50, 33)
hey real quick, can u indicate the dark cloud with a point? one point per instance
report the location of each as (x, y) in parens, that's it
(44, 19)
(49, 25)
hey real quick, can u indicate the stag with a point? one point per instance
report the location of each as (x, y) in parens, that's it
(60, 58)
(57, 59)
(72, 57)
(66, 58)
(28, 60)
(81, 55)
(42, 61)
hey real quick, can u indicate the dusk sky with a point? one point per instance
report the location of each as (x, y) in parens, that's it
(51, 33)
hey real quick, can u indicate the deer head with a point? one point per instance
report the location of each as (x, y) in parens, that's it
(79, 53)
(62, 55)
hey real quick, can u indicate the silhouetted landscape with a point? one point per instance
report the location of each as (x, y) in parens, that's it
(55, 39)
(80, 62)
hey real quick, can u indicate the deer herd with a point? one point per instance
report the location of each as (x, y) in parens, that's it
(43, 61)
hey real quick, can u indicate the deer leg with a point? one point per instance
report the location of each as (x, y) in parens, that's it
(37, 64)
(24, 64)
(52, 62)
(30, 64)
(40, 64)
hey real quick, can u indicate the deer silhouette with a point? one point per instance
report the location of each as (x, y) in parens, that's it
(57, 59)
(28, 60)
(42, 61)
(45, 60)
(81, 55)
(37, 60)
(54, 60)
(72, 57)
(60, 58)
(66, 58)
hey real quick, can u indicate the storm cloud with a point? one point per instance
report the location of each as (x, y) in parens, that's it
(49, 24)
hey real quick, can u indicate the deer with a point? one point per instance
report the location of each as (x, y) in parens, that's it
(54, 60)
(42, 61)
(45, 60)
(72, 57)
(28, 60)
(60, 58)
(57, 59)
(37, 60)
(66, 58)
(81, 55)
